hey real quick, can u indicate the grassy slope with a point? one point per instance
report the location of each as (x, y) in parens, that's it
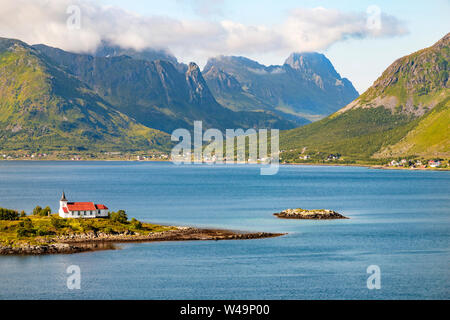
(356, 134)
(367, 133)
(52, 226)
(43, 108)
(430, 137)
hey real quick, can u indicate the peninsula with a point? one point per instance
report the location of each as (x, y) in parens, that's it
(45, 233)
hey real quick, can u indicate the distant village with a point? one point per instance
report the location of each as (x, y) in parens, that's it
(419, 164)
(289, 156)
(157, 156)
(286, 156)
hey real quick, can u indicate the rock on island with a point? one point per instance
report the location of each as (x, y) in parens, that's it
(316, 214)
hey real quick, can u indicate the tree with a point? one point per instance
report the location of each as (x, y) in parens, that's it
(37, 211)
(136, 223)
(8, 214)
(23, 214)
(119, 216)
(46, 211)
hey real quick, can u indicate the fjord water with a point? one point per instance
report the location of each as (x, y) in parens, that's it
(400, 221)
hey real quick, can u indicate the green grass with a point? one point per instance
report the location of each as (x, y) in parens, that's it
(430, 137)
(357, 133)
(41, 230)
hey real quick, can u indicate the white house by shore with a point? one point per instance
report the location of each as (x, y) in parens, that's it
(81, 209)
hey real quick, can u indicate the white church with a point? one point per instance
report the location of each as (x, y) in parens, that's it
(81, 209)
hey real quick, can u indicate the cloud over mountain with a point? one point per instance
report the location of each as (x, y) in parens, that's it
(303, 29)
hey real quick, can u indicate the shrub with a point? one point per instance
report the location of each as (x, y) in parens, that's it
(22, 232)
(25, 228)
(136, 223)
(38, 211)
(119, 216)
(108, 230)
(87, 225)
(58, 223)
(46, 211)
(43, 232)
(8, 214)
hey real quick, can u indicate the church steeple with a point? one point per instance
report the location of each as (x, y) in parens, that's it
(63, 205)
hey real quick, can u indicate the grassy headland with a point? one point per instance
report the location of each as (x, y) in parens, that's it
(36, 229)
(45, 233)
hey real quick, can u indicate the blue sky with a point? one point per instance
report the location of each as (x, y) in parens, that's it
(361, 60)
(263, 30)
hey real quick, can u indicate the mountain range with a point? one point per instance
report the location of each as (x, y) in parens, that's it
(160, 94)
(53, 99)
(305, 88)
(406, 112)
(126, 100)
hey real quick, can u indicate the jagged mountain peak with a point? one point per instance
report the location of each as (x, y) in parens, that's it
(312, 62)
(300, 57)
(199, 91)
(221, 80)
(193, 68)
(306, 84)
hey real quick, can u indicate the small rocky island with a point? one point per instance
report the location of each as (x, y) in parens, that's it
(316, 214)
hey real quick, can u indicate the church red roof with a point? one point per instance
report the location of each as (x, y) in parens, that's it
(85, 206)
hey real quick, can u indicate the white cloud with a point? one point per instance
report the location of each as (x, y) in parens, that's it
(263, 71)
(318, 28)
(205, 7)
(44, 21)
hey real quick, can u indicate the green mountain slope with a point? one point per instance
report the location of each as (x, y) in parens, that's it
(43, 108)
(404, 113)
(430, 137)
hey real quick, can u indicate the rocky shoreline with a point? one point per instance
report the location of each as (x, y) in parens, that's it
(91, 241)
(320, 214)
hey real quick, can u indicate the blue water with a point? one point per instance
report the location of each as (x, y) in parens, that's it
(400, 221)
